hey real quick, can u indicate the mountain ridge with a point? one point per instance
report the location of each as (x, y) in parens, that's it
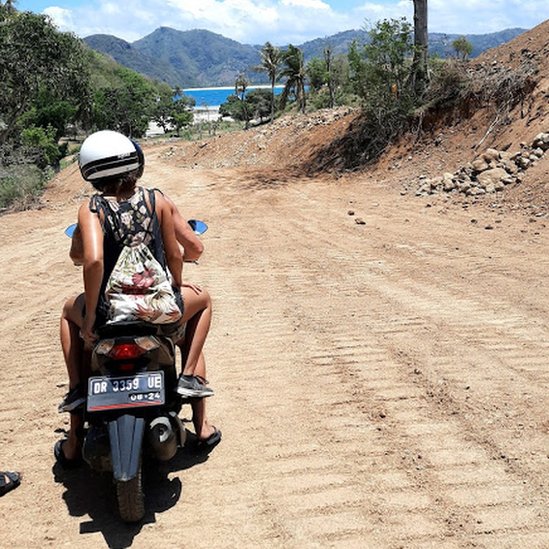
(199, 57)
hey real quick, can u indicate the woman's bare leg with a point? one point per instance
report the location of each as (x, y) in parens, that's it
(71, 343)
(197, 313)
(202, 427)
(73, 348)
(73, 445)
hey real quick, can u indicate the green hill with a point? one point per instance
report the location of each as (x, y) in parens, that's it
(439, 43)
(125, 54)
(199, 58)
(186, 59)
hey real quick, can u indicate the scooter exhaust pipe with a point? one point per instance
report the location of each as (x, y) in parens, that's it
(162, 438)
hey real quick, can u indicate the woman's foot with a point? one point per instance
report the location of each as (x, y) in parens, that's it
(208, 439)
(67, 454)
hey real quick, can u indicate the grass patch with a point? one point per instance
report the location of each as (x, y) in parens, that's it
(20, 186)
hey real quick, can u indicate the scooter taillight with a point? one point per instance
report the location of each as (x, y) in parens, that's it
(127, 348)
(126, 351)
(126, 367)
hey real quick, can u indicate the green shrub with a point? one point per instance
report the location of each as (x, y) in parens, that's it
(20, 186)
(43, 142)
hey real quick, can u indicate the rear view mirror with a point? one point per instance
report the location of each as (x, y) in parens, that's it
(69, 231)
(198, 227)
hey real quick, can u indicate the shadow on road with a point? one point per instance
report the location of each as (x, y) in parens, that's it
(91, 495)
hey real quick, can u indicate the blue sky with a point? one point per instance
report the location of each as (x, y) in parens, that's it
(280, 21)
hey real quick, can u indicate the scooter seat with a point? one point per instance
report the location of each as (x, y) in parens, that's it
(134, 328)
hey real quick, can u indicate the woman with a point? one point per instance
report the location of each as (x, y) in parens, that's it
(122, 215)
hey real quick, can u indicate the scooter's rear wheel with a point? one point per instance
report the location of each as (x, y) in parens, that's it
(131, 500)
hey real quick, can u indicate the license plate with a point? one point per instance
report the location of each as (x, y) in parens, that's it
(114, 393)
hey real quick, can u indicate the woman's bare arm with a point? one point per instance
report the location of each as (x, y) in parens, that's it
(192, 245)
(174, 258)
(92, 242)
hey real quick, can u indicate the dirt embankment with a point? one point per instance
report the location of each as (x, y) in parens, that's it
(448, 143)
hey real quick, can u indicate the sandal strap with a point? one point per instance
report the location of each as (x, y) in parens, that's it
(12, 478)
(202, 380)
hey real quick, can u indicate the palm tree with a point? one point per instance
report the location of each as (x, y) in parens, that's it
(419, 75)
(294, 71)
(271, 57)
(240, 86)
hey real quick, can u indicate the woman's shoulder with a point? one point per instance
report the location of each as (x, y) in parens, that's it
(94, 202)
(151, 192)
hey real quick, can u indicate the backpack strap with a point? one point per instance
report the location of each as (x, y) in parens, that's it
(151, 204)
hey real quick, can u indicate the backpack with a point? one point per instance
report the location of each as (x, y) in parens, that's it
(138, 287)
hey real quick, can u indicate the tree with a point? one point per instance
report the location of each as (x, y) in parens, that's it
(380, 70)
(271, 58)
(50, 113)
(36, 57)
(233, 107)
(316, 73)
(259, 103)
(326, 75)
(329, 61)
(163, 110)
(419, 75)
(240, 87)
(182, 113)
(256, 104)
(169, 103)
(126, 108)
(43, 142)
(294, 72)
(7, 8)
(462, 47)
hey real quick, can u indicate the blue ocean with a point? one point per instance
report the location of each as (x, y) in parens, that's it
(213, 97)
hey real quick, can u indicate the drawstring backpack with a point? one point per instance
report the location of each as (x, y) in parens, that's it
(139, 286)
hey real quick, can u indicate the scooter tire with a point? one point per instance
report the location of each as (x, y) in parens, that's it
(131, 500)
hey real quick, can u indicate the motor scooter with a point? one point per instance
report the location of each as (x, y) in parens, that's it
(132, 408)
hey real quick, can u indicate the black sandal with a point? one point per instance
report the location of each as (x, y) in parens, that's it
(62, 459)
(12, 482)
(208, 444)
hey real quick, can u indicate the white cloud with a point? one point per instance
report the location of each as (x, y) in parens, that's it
(285, 21)
(479, 16)
(309, 4)
(110, 9)
(370, 12)
(61, 17)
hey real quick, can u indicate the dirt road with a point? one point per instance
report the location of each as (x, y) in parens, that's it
(378, 385)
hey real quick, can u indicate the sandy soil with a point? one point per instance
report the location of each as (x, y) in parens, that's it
(380, 360)
(378, 385)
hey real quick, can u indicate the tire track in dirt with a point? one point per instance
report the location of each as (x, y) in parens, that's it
(340, 355)
(507, 491)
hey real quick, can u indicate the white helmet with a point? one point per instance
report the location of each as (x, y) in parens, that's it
(108, 154)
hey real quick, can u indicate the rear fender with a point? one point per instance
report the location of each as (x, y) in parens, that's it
(126, 439)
